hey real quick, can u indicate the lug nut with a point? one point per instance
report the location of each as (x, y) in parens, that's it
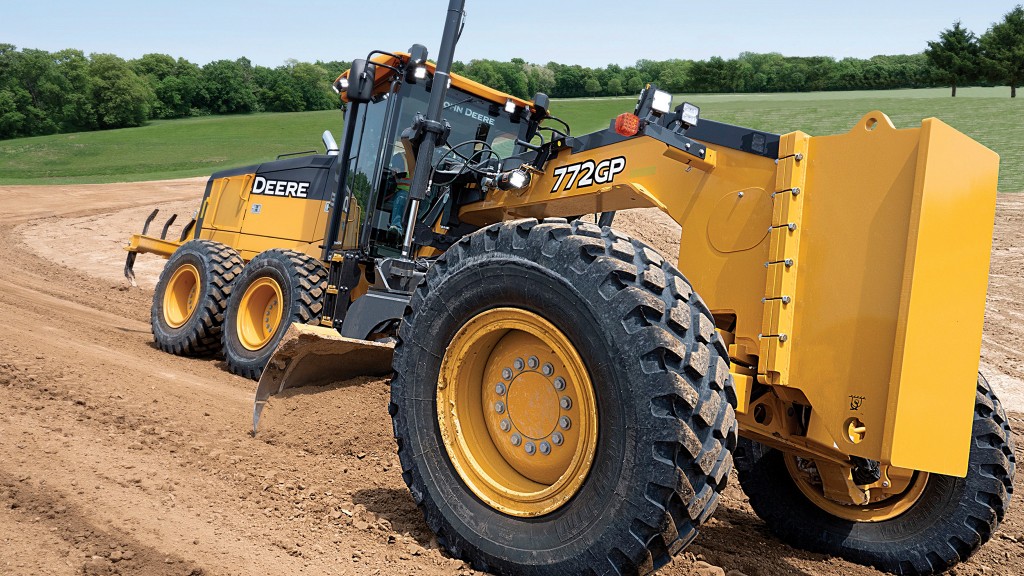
(499, 407)
(519, 364)
(556, 438)
(559, 384)
(547, 369)
(565, 403)
(499, 388)
(530, 448)
(545, 448)
(532, 362)
(506, 373)
(564, 422)
(516, 439)
(505, 425)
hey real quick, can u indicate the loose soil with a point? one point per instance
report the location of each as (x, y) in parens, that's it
(116, 458)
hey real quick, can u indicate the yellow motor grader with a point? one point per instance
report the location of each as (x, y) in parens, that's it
(566, 401)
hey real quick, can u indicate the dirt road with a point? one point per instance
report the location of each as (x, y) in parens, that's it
(118, 459)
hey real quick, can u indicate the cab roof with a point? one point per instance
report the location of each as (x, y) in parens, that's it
(460, 82)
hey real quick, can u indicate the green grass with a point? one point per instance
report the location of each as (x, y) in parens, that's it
(198, 146)
(162, 149)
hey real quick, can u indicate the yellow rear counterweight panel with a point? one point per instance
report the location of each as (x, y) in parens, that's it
(895, 235)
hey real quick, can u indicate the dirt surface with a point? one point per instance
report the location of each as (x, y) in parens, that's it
(116, 458)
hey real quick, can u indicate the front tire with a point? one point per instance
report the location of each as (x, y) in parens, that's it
(191, 296)
(276, 288)
(507, 312)
(949, 520)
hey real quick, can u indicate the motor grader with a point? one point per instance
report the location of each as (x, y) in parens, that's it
(565, 400)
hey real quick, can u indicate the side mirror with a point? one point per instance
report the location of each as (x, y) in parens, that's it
(361, 78)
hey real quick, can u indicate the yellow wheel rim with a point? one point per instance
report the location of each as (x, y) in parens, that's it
(259, 313)
(886, 502)
(181, 295)
(517, 412)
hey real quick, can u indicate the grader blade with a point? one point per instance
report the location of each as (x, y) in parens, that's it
(315, 356)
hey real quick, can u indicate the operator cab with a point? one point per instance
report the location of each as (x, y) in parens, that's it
(382, 161)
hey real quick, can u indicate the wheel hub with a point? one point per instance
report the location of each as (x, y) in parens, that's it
(896, 491)
(259, 313)
(181, 295)
(517, 412)
(531, 407)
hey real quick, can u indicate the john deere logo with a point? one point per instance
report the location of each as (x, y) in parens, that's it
(279, 187)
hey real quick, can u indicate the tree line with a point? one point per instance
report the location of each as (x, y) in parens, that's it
(996, 56)
(49, 92)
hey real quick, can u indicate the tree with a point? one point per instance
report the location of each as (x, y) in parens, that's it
(229, 87)
(955, 54)
(1002, 48)
(121, 98)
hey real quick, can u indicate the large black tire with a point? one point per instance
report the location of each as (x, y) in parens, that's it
(950, 521)
(663, 392)
(303, 283)
(217, 266)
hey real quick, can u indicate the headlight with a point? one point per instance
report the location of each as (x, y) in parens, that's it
(512, 180)
(689, 114)
(420, 72)
(662, 101)
(510, 106)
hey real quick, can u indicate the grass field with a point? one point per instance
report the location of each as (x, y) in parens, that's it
(198, 146)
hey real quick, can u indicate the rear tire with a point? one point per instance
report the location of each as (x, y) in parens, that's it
(951, 519)
(294, 282)
(661, 385)
(185, 321)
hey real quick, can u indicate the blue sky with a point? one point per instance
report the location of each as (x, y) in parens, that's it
(591, 33)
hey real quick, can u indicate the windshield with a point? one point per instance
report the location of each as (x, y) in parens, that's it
(470, 118)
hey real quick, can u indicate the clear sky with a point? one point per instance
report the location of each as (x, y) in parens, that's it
(591, 33)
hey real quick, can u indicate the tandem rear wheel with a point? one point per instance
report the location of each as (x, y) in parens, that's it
(191, 297)
(929, 524)
(275, 289)
(561, 401)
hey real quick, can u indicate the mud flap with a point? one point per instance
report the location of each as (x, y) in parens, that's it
(315, 356)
